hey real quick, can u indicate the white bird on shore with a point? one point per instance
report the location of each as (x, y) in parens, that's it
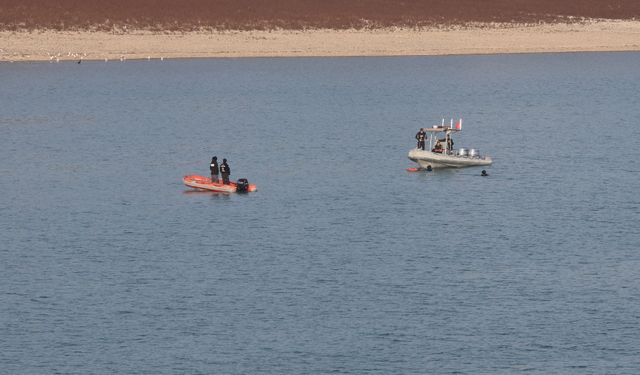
(105, 59)
(148, 58)
(162, 59)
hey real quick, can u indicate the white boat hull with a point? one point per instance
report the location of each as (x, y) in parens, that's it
(438, 160)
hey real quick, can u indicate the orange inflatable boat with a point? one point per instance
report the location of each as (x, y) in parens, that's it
(204, 183)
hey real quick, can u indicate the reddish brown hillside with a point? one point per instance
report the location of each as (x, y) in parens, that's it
(295, 14)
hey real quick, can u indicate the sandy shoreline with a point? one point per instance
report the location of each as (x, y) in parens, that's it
(479, 39)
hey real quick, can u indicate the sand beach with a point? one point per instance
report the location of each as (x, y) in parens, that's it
(479, 38)
(61, 30)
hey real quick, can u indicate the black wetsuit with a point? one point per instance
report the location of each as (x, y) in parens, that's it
(225, 171)
(214, 169)
(449, 143)
(420, 137)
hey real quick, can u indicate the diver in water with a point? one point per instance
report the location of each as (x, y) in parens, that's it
(214, 169)
(225, 171)
(484, 173)
(420, 136)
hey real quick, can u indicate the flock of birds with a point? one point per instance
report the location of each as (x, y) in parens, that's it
(79, 57)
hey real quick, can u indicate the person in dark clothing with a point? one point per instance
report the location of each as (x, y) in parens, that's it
(437, 147)
(420, 136)
(449, 142)
(225, 171)
(214, 169)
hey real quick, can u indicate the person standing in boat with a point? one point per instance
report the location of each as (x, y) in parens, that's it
(214, 169)
(420, 137)
(225, 171)
(449, 142)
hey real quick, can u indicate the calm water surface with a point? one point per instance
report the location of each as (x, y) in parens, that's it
(342, 262)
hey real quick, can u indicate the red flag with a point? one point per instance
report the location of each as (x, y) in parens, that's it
(459, 125)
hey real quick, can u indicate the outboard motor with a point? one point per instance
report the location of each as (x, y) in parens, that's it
(242, 186)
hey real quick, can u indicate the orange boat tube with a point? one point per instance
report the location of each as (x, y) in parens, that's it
(205, 183)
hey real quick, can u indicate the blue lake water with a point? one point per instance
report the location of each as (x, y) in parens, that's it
(342, 262)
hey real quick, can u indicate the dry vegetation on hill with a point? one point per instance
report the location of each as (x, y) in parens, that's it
(188, 15)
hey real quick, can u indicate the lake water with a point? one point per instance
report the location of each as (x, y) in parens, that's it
(342, 262)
